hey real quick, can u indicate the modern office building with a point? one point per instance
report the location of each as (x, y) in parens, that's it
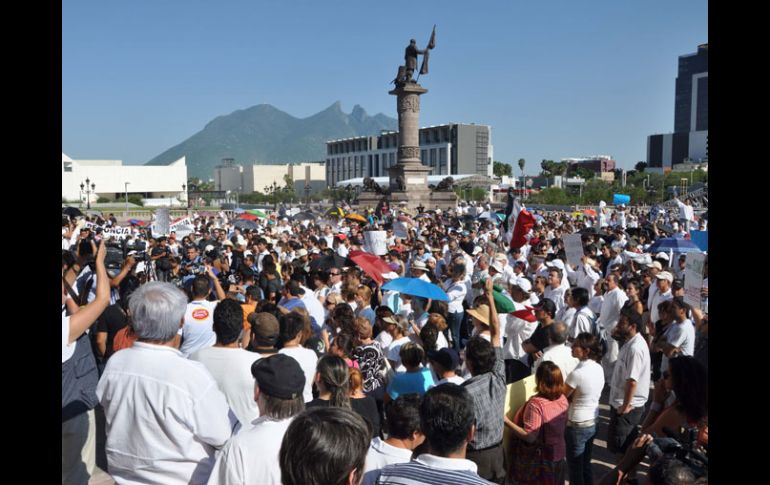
(689, 141)
(450, 149)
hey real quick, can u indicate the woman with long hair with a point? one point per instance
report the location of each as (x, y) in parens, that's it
(538, 430)
(333, 381)
(584, 388)
(634, 292)
(364, 405)
(682, 400)
(342, 346)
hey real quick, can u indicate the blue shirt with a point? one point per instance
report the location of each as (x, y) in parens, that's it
(410, 383)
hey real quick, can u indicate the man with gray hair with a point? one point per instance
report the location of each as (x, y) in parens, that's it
(558, 352)
(165, 414)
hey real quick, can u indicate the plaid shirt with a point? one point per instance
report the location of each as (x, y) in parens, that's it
(488, 393)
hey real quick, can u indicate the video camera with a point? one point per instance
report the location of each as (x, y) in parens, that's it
(683, 446)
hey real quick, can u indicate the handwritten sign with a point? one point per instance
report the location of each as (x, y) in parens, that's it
(573, 246)
(374, 242)
(693, 279)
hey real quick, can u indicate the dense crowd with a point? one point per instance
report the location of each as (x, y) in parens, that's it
(277, 351)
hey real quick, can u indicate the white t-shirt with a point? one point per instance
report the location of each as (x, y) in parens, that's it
(231, 368)
(680, 335)
(197, 332)
(381, 454)
(384, 338)
(393, 353)
(453, 380)
(251, 456)
(307, 360)
(561, 355)
(67, 349)
(588, 381)
(516, 331)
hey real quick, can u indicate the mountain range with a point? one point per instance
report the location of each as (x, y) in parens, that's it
(264, 134)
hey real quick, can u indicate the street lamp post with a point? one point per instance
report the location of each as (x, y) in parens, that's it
(307, 194)
(89, 188)
(125, 184)
(187, 199)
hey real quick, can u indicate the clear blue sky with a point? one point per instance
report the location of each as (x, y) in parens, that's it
(554, 79)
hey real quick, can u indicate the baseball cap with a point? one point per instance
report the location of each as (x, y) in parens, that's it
(665, 275)
(476, 250)
(497, 266)
(301, 252)
(662, 255)
(448, 358)
(279, 376)
(521, 282)
(557, 263)
(227, 243)
(656, 265)
(265, 328)
(546, 304)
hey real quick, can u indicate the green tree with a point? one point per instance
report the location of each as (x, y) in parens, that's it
(547, 168)
(522, 162)
(585, 173)
(500, 169)
(640, 166)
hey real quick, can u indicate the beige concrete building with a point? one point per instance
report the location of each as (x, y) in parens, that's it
(254, 178)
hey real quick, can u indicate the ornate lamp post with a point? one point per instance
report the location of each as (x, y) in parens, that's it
(89, 188)
(184, 190)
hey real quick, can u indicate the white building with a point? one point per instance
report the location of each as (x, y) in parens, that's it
(254, 178)
(111, 179)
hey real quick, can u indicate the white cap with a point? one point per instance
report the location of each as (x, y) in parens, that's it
(497, 266)
(301, 252)
(521, 282)
(476, 250)
(419, 265)
(665, 275)
(558, 263)
(662, 255)
(208, 248)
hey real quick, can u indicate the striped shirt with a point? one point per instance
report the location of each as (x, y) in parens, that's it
(428, 469)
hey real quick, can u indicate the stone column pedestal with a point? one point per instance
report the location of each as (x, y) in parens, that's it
(409, 177)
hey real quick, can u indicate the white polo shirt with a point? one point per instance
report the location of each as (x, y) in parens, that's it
(197, 331)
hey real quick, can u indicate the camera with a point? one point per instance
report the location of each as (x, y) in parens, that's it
(683, 447)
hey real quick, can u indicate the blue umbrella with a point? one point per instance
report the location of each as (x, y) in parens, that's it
(673, 244)
(416, 287)
(239, 210)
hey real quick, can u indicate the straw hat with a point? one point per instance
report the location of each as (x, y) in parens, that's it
(481, 313)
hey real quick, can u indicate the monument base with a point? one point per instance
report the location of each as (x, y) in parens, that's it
(412, 199)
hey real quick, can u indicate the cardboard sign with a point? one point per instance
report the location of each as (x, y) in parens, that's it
(162, 222)
(374, 242)
(693, 279)
(573, 246)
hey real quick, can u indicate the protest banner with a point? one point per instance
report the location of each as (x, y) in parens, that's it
(693, 279)
(374, 242)
(116, 232)
(573, 246)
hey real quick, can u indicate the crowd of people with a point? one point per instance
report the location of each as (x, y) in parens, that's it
(262, 353)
